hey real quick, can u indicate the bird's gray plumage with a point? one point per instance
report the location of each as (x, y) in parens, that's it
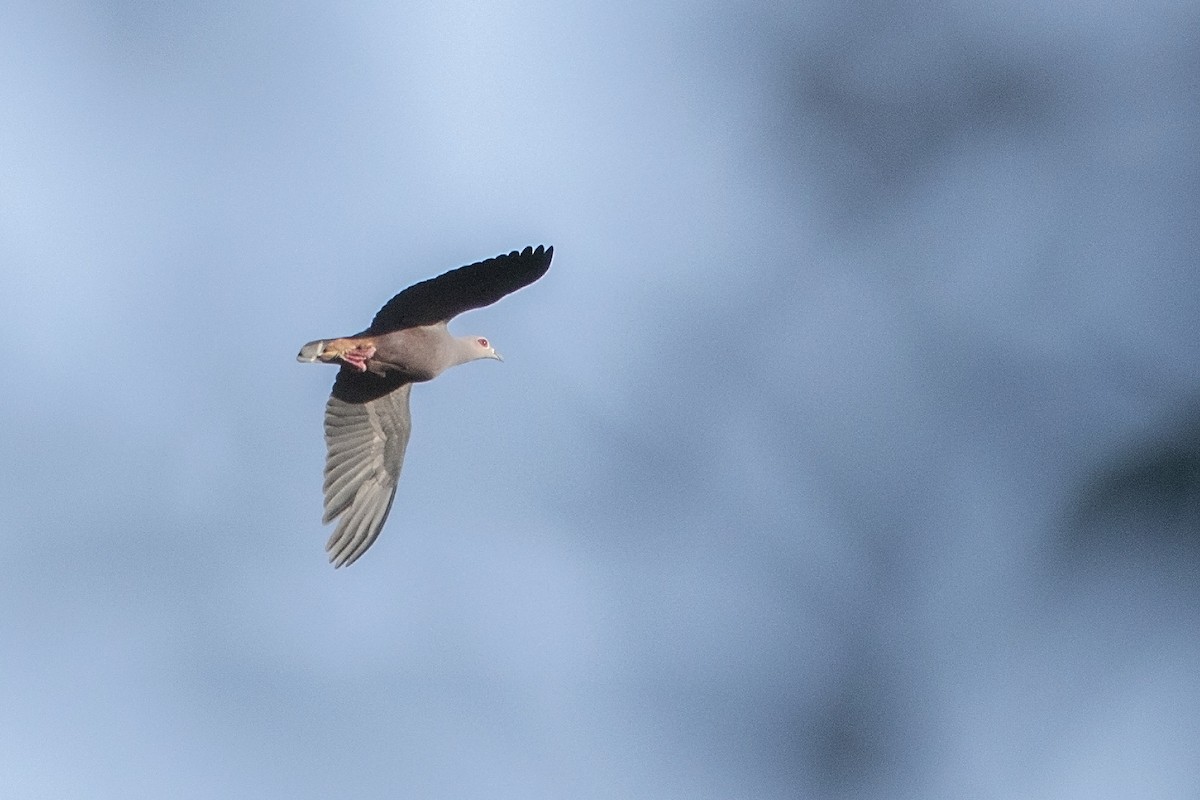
(367, 422)
(365, 443)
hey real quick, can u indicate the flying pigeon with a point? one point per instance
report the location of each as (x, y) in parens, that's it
(366, 419)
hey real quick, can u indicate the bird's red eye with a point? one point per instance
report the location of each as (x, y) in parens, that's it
(482, 342)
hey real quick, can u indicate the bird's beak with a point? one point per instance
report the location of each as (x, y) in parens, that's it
(497, 356)
(311, 351)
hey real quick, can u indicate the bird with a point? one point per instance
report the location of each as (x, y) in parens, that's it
(367, 421)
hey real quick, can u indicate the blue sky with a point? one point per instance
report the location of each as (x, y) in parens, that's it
(851, 306)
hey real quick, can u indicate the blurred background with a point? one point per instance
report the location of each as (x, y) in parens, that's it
(849, 449)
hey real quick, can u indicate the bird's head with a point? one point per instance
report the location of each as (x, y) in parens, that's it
(481, 348)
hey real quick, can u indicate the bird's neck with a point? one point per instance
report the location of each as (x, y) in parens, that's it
(464, 350)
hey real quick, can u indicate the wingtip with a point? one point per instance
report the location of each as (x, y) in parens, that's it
(339, 552)
(530, 250)
(542, 254)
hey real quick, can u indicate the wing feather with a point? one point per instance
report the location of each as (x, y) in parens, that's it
(367, 425)
(473, 286)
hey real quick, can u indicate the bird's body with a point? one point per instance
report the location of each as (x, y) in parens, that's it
(420, 354)
(367, 420)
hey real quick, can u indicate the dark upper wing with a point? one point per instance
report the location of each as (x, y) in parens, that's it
(366, 432)
(474, 286)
